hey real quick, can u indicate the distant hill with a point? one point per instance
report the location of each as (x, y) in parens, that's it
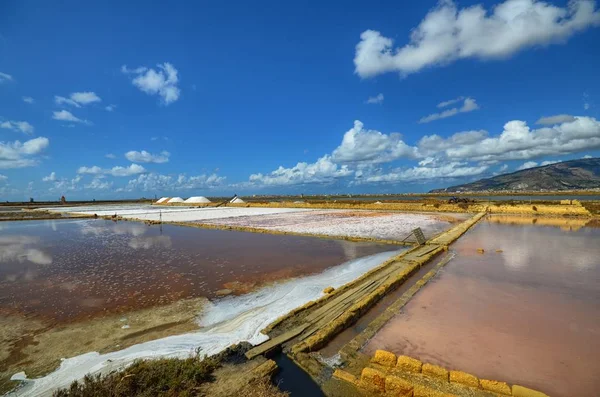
(569, 175)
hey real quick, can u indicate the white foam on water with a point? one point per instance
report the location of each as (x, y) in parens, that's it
(225, 322)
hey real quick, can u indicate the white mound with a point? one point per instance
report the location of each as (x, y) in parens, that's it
(237, 200)
(197, 199)
(176, 200)
(162, 200)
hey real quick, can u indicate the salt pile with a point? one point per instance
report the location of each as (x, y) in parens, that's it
(237, 200)
(197, 199)
(176, 200)
(162, 200)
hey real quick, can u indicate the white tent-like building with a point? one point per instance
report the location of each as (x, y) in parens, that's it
(197, 200)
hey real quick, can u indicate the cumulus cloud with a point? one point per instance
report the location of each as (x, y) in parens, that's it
(22, 126)
(64, 115)
(558, 119)
(324, 170)
(28, 99)
(526, 165)
(428, 171)
(110, 108)
(98, 184)
(110, 156)
(22, 154)
(146, 157)
(519, 142)
(5, 77)
(447, 34)
(378, 99)
(587, 156)
(50, 178)
(133, 169)
(371, 146)
(548, 162)
(78, 99)
(3, 178)
(162, 81)
(469, 105)
(166, 183)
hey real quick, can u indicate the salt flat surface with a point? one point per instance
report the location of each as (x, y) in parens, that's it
(225, 322)
(371, 224)
(173, 214)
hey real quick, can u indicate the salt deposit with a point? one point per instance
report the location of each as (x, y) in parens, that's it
(175, 200)
(197, 199)
(225, 322)
(237, 200)
(370, 224)
(162, 200)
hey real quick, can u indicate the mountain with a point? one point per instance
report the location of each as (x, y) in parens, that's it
(569, 175)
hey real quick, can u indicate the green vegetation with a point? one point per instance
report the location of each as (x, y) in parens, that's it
(220, 375)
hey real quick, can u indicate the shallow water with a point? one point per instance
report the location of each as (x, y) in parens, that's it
(76, 269)
(528, 315)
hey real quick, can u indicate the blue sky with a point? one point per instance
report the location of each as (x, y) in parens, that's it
(130, 99)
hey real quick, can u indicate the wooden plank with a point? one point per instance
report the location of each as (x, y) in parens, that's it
(272, 343)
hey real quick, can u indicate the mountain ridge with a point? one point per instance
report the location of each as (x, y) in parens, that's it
(580, 174)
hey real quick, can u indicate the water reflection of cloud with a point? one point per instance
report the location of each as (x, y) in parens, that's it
(120, 228)
(150, 242)
(17, 248)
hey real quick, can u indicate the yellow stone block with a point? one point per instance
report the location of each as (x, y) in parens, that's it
(329, 290)
(480, 250)
(464, 378)
(495, 386)
(397, 387)
(520, 391)
(384, 358)
(345, 376)
(409, 364)
(373, 380)
(436, 371)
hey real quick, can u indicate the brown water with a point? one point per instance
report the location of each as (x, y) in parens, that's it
(69, 270)
(528, 315)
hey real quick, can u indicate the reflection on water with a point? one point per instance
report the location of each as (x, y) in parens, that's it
(526, 311)
(77, 269)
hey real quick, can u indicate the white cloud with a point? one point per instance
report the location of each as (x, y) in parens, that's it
(110, 156)
(21, 154)
(378, 99)
(22, 126)
(370, 146)
(587, 156)
(503, 168)
(5, 77)
(586, 106)
(50, 178)
(78, 99)
(469, 105)
(65, 115)
(450, 102)
(518, 142)
(133, 169)
(324, 170)
(28, 99)
(99, 184)
(146, 157)
(162, 82)
(527, 165)
(422, 172)
(548, 162)
(165, 183)
(447, 34)
(3, 178)
(110, 108)
(558, 119)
